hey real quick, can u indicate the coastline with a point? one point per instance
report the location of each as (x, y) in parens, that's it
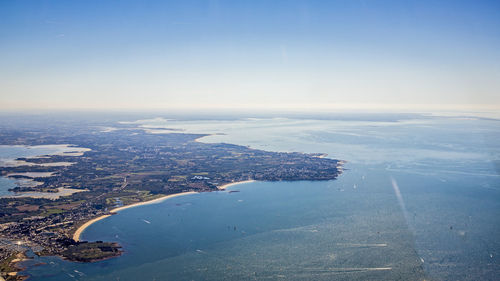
(15, 264)
(223, 187)
(78, 232)
(61, 191)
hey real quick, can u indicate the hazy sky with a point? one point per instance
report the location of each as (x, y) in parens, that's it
(161, 54)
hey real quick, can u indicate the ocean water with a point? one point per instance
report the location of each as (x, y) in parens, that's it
(419, 199)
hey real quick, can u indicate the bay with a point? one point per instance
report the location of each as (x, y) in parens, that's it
(444, 225)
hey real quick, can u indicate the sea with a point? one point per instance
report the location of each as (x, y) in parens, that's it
(418, 199)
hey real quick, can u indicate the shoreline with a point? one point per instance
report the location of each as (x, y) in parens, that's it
(61, 192)
(79, 230)
(223, 187)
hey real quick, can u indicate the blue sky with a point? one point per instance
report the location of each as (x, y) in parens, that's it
(168, 54)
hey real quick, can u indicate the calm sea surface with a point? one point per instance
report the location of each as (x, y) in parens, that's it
(9, 153)
(419, 199)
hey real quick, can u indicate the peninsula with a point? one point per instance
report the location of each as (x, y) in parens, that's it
(123, 168)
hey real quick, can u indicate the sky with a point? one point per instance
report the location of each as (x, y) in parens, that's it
(248, 54)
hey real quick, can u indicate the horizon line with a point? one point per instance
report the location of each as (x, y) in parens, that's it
(341, 107)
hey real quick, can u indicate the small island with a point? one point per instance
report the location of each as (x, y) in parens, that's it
(123, 168)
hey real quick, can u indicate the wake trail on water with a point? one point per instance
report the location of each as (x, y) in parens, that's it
(402, 204)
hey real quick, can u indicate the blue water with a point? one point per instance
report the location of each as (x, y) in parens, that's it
(446, 225)
(5, 185)
(10, 153)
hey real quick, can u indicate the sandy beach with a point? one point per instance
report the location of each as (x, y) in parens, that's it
(78, 232)
(222, 187)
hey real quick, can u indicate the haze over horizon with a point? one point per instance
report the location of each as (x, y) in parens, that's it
(255, 54)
